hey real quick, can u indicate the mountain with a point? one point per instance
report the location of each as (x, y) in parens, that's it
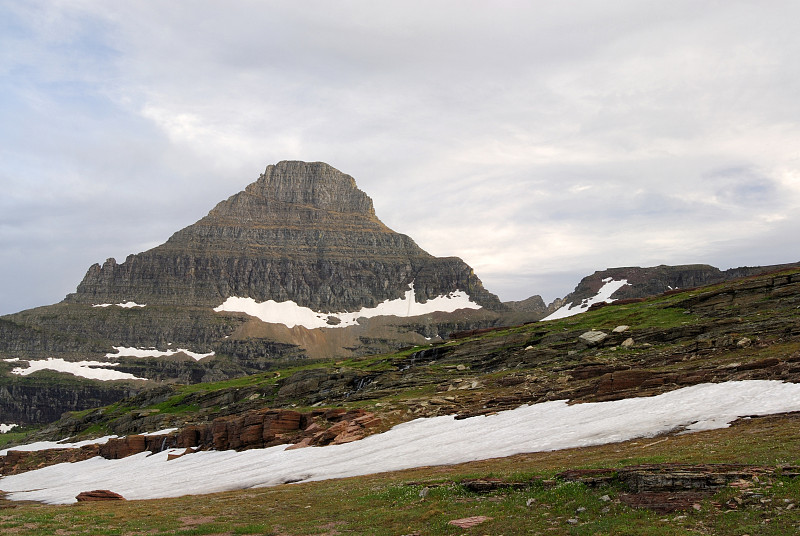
(295, 267)
(302, 232)
(633, 282)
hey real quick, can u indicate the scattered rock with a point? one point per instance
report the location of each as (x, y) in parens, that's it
(627, 343)
(671, 487)
(305, 442)
(175, 456)
(620, 329)
(662, 501)
(468, 522)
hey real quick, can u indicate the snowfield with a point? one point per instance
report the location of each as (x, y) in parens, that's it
(123, 351)
(290, 314)
(432, 441)
(44, 445)
(94, 370)
(125, 305)
(603, 295)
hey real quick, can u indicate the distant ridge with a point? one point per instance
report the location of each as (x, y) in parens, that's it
(652, 281)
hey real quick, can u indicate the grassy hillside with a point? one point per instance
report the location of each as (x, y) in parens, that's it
(749, 329)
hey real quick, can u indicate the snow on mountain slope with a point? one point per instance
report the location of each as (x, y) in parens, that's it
(603, 295)
(290, 314)
(432, 441)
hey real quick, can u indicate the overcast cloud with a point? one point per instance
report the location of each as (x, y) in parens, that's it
(539, 141)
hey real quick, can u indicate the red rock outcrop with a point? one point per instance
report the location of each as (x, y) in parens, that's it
(115, 449)
(19, 461)
(99, 495)
(253, 429)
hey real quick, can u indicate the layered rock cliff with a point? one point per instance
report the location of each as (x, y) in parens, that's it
(302, 232)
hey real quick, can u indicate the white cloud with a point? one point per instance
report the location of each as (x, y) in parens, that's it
(532, 139)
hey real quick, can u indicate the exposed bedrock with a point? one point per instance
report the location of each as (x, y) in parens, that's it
(43, 399)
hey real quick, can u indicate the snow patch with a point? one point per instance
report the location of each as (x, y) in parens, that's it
(161, 432)
(603, 295)
(126, 305)
(422, 442)
(123, 351)
(291, 314)
(93, 370)
(4, 428)
(64, 444)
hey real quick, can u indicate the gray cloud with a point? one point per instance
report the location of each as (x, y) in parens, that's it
(538, 141)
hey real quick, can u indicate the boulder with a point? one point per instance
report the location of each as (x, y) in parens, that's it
(305, 442)
(593, 337)
(99, 495)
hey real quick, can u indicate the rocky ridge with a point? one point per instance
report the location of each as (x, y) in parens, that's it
(655, 280)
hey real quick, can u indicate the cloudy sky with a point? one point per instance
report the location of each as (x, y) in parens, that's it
(539, 141)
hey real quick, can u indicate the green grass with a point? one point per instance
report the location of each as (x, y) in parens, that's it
(648, 314)
(13, 436)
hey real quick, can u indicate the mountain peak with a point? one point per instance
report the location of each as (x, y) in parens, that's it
(302, 232)
(315, 184)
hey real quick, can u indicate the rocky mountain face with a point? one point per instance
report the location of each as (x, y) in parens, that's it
(302, 232)
(535, 304)
(655, 280)
(45, 398)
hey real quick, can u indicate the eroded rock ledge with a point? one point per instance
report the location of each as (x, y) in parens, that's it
(253, 429)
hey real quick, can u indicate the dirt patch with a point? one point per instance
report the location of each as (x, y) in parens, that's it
(331, 528)
(193, 521)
